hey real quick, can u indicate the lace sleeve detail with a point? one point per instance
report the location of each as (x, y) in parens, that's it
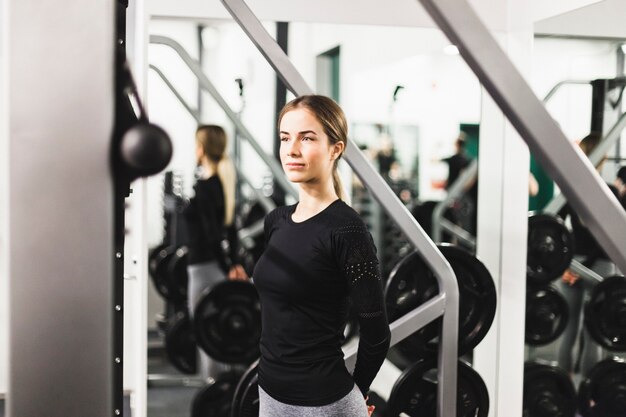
(357, 258)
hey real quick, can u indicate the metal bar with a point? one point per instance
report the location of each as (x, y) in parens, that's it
(206, 84)
(595, 158)
(558, 85)
(193, 112)
(455, 191)
(585, 273)
(406, 325)
(389, 201)
(463, 235)
(566, 164)
(62, 313)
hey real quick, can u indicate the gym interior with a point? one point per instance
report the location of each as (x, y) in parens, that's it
(497, 306)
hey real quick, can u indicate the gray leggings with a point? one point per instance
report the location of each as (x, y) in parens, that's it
(202, 276)
(352, 405)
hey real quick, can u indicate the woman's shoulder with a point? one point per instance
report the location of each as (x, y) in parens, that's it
(279, 212)
(345, 217)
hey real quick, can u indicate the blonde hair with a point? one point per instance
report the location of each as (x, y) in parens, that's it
(213, 141)
(333, 121)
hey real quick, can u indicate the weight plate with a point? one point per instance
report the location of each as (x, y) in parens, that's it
(227, 322)
(249, 375)
(605, 313)
(546, 315)
(214, 399)
(550, 248)
(180, 344)
(603, 392)
(415, 392)
(548, 391)
(158, 265)
(411, 283)
(177, 277)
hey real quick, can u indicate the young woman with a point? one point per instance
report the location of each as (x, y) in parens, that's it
(320, 260)
(209, 217)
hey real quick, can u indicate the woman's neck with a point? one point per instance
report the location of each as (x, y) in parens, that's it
(313, 199)
(209, 168)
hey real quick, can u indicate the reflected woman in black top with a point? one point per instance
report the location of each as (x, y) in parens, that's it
(210, 224)
(319, 261)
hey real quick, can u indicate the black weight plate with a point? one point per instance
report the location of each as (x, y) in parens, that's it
(214, 399)
(152, 253)
(415, 392)
(411, 283)
(249, 406)
(256, 213)
(605, 313)
(423, 213)
(159, 266)
(249, 375)
(548, 391)
(180, 344)
(547, 314)
(227, 322)
(177, 275)
(550, 248)
(603, 392)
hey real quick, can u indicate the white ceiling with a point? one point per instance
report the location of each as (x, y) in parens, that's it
(603, 19)
(496, 14)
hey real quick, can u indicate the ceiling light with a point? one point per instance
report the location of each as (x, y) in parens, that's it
(451, 50)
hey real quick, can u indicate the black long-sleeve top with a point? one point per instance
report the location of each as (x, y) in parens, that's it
(205, 225)
(307, 278)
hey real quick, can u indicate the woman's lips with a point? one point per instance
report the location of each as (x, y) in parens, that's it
(293, 165)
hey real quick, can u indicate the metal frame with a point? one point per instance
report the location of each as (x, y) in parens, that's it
(560, 84)
(62, 254)
(575, 175)
(457, 189)
(206, 84)
(595, 158)
(446, 304)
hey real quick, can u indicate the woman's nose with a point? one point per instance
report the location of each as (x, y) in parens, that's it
(293, 148)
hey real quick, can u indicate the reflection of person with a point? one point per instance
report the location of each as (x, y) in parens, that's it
(588, 252)
(458, 161)
(210, 218)
(319, 260)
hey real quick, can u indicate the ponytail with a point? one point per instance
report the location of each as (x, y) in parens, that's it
(337, 184)
(228, 177)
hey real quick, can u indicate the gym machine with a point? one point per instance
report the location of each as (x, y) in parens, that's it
(596, 206)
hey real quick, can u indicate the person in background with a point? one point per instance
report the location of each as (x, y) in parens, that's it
(578, 352)
(458, 161)
(210, 219)
(320, 261)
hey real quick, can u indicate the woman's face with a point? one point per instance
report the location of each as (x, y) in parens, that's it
(199, 153)
(305, 151)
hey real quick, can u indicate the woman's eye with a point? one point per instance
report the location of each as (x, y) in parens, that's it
(284, 138)
(307, 138)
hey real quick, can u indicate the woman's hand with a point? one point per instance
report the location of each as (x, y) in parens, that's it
(370, 408)
(237, 273)
(570, 277)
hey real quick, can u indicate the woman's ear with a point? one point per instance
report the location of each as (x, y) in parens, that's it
(337, 150)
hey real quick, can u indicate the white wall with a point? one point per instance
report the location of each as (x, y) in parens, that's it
(440, 90)
(4, 207)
